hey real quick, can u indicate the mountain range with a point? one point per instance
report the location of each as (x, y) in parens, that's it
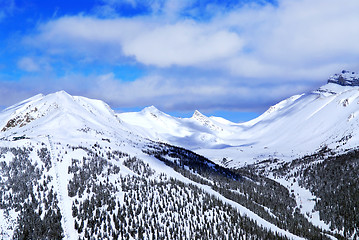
(297, 126)
(73, 168)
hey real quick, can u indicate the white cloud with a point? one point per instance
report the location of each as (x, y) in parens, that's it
(307, 32)
(168, 8)
(296, 35)
(176, 93)
(187, 94)
(28, 64)
(245, 58)
(183, 44)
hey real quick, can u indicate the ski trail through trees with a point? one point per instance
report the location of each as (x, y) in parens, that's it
(64, 220)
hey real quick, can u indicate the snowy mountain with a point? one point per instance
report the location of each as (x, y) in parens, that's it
(66, 116)
(300, 125)
(195, 131)
(71, 168)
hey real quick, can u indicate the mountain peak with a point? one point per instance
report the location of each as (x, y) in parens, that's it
(57, 111)
(150, 109)
(60, 94)
(198, 115)
(345, 78)
(205, 121)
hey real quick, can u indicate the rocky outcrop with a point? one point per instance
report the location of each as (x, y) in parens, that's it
(345, 78)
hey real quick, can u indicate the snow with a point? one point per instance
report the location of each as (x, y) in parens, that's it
(7, 222)
(306, 201)
(299, 125)
(253, 216)
(162, 168)
(61, 179)
(345, 78)
(294, 127)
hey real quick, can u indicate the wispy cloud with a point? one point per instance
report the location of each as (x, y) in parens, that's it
(28, 64)
(188, 94)
(293, 35)
(184, 43)
(6, 7)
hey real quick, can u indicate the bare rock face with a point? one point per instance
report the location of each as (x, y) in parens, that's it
(345, 78)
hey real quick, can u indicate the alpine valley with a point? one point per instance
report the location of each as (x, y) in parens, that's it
(72, 168)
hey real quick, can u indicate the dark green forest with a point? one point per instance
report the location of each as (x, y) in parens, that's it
(146, 205)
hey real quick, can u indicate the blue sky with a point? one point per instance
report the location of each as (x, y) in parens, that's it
(228, 58)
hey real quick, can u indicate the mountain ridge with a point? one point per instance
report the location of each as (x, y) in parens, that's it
(73, 168)
(296, 126)
(345, 78)
(213, 137)
(60, 173)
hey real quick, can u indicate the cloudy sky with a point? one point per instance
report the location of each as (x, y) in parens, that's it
(228, 58)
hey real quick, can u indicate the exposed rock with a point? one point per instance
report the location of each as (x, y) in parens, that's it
(345, 78)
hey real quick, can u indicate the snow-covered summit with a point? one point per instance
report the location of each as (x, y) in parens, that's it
(198, 115)
(153, 112)
(205, 121)
(345, 78)
(296, 126)
(57, 113)
(299, 125)
(67, 154)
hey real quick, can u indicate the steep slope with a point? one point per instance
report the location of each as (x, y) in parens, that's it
(71, 169)
(59, 114)
(299, 125)
(315, 133)
(197, 131)
(43, 130)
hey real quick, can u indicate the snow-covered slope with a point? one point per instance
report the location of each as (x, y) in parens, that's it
(197, 131)
(71, 168)
(64, 115)
(297, 126)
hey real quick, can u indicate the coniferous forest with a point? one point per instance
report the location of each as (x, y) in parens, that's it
(117, 196)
